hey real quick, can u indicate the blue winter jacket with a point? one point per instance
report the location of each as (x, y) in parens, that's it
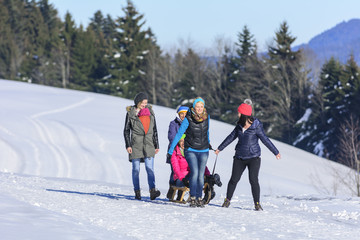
(248, 141)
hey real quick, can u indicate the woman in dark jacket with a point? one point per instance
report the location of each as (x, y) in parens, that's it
(196, 127)
(247, 152)
(141, 139)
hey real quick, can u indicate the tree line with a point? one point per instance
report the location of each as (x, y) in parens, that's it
(118, 56)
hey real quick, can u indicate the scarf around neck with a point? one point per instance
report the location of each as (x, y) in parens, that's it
(199, 117)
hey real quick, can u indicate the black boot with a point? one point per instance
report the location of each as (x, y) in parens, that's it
(154, 193)
(193, 202)
(258, 207)
(138, 195)
(170, 193)
(200, 203)
(226, 203)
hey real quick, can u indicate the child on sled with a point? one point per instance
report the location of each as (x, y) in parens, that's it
(181, 170)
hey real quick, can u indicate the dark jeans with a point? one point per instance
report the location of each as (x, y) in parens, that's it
(239, 165)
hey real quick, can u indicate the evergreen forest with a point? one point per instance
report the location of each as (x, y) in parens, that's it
(120, 57)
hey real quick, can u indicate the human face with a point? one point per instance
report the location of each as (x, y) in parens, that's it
(182, 115)
(199, 107)
(181, 143)
(143, 104)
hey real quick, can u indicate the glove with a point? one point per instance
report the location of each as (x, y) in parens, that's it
(168, 158)
(185, 182)
(210, 147)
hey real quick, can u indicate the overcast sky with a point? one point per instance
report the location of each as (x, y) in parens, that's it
(201, 21)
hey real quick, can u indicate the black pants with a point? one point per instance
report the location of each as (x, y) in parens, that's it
(239, 165)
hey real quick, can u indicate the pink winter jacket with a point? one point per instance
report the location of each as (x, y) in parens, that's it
(180, 165)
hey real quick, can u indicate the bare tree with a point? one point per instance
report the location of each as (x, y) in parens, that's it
(349, 153)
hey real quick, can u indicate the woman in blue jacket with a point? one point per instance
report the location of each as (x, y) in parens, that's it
(247, 152)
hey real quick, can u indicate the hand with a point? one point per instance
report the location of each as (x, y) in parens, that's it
(129, 150)
(156, 151)
(185, 182)
(278, 156)
(217, 151)
(168, 157)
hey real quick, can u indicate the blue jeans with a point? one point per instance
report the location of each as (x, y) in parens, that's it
(149, 166)
(197, 163)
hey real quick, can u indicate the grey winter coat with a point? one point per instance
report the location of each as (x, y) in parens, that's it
(142, 145)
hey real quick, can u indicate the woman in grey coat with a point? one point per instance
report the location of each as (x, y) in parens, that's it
(141, 139)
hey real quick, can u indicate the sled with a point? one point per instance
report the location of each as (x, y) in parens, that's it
(185, 196)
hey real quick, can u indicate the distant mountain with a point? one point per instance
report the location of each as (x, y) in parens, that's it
(338, 42)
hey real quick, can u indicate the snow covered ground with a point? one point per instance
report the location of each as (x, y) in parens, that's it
(64, 174)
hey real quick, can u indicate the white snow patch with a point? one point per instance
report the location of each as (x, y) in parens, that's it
(65, 174)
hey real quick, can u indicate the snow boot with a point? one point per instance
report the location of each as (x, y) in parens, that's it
(170, 193)
(200, 203)
(154, 193)
(258, 207)
(193, 202)
(138, 195)
(226, 203)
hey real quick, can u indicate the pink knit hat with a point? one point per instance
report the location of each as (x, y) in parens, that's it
(245, 108)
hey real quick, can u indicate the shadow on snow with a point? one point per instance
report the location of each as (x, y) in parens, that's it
(119, 196)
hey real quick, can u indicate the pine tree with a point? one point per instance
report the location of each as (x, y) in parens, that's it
(242, 72)
(290, 85)
(102, 47)
(130, 46)
(320, 132)
(6, 43)
(246, 47)
(35, 34)
(67, 35)
(349, 90)
(52, 22)
(83, 59)
(15, 39)
(49, 70)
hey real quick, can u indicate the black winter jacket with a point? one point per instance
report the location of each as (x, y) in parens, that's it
(197, 133)
(248, 141)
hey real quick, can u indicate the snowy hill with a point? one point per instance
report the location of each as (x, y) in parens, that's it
(64, 174)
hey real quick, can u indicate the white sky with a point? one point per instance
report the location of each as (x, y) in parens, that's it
(201, 21)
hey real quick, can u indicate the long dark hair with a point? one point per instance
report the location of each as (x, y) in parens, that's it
(244, 118)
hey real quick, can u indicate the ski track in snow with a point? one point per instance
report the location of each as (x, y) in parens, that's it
(62, 159)
(117, 211)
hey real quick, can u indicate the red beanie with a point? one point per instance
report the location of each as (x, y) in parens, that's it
(245, 108)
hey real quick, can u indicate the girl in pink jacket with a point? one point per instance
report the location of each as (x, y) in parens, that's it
(180, 166)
